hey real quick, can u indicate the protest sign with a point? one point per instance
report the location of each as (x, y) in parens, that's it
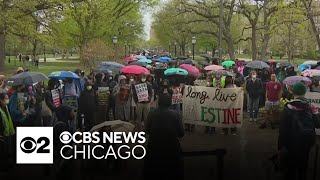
(142, 92)
(177, 95)
(56, 97)
(213, 107)
(313, 98)
(71, 101)
(103, 95)
(21, 100)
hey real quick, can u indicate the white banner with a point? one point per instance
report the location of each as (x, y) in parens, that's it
(313, 98)
(142, 92)
(209, 106)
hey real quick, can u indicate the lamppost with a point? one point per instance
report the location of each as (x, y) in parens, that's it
(44, 54)
(169, 47)
(175, 49)
(125, 48)
(114, 41)
(193, 43)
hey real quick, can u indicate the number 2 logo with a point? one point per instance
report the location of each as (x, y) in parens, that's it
(29, 145)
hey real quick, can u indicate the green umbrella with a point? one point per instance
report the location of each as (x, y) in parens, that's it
(175, 71)
(228, 63)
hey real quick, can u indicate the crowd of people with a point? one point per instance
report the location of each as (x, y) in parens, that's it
(77, 105)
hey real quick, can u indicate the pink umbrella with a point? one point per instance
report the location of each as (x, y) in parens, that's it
(294, 79)
(134, 69)
(191, 69)
(213, 68)
(130, 58)
(311, 72)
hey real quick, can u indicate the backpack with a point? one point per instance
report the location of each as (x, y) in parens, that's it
(303, 128)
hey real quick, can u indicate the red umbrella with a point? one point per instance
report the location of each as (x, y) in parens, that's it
(191, 69)
(134, 69)
(213, 68)
(130, 58)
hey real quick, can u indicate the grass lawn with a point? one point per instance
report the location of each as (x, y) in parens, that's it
(45, 68)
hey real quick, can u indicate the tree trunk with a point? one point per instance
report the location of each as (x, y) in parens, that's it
(313, 24)
(228, 38)
(254, 42)
(2, 49)
(34, 50)
(264, 47)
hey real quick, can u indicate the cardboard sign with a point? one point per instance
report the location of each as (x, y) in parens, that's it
(213, 107)
(103, 95)
(177, 95)
(142, 92)
(56, 97)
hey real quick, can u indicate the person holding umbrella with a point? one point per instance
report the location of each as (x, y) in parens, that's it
(18, 106)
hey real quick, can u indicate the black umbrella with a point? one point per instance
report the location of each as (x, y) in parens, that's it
(257, 65)
(189, 61)
(26, 78)
(222, 73)
(142, 64)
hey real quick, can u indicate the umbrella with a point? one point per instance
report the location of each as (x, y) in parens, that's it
(164, 59)
(189, 61)
(140, 57)
(102, 70)
(213, 68)
(222, 73)
(116, 126)
(294, 79)
(284, 64)
(137, 63)
(311, 72)
(175, 71)
(26, 78)
(109, 65)
(228, 63)
(145, 61)
(130, 58)
(303, 67)
(181, 58)
(310, 62)
(62, 75)
(257, 65)
(134, 69)
(193, 71)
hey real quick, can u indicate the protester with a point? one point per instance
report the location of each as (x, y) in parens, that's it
(70, 88)
(7, 132)
(297, 134)
(19, 70)
(47, 118)
(154, 85)
(121, 94)
(164, 158)
(143, 106)
(315, 87)
(87, 107)
(272, 104)
(165, 88)
(254, 88)
(229, 84)
(3, 87)
(101, 105)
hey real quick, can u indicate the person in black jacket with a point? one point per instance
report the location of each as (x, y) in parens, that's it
(254, 89)
(297, 134)
(87, 106)
(164, 158)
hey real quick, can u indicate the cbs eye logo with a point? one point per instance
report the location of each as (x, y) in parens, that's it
(34, 145)
(29, 145)
(65, 137)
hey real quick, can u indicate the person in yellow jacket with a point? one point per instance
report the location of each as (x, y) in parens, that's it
(218, 81)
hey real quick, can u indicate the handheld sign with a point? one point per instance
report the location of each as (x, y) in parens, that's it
(213, 107)
(142, 92)
(177, 95)
(103, 95)
(56, 97)
(71, 101)
(314, 98)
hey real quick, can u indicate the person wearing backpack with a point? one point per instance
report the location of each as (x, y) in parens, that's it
(297, 134)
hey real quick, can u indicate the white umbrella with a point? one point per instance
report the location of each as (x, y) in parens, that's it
(116, 126)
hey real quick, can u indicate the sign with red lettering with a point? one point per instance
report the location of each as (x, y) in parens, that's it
(56, 97)
(142, 92)
(177, 95)
(213, 107)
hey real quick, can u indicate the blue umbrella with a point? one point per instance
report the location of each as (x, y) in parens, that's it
(62, 75)
(145, 61)
(164, 59)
